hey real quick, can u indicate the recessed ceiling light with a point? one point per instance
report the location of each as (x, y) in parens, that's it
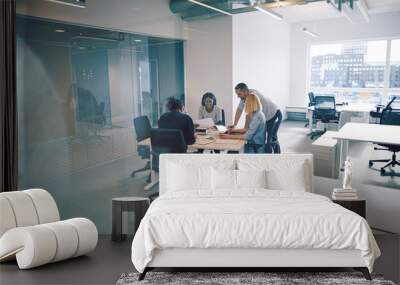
(81, 48)
(60, 31)
(138, 41)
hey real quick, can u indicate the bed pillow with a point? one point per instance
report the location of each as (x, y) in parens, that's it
(224, 179)
(186, 174)
(251, 178)
(182, 177)
(294, 178)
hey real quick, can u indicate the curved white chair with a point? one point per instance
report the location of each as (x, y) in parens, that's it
(32, 233)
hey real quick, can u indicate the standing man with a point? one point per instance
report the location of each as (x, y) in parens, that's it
(273, 116)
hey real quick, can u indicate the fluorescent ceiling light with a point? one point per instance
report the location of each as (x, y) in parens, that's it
(314, 35)
(94, 38)
(76, 3)
(138, 41)
(210, 7)
(268, 12)
(59, 31)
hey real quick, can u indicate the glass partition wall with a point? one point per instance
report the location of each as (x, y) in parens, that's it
(79, 89)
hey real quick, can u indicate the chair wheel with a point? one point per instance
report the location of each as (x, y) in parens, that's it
(383, 171)
(371, 163)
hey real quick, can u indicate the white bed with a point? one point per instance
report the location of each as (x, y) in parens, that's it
(195, 223)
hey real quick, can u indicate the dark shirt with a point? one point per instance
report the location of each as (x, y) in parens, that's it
(180, 121)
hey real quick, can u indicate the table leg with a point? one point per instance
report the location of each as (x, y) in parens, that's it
(116, 222)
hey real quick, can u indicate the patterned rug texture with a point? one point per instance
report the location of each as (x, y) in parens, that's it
(244, 278)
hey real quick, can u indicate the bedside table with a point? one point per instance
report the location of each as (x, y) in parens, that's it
(357, 206)
(138, 205)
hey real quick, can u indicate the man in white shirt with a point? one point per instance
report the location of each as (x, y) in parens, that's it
(273, 116)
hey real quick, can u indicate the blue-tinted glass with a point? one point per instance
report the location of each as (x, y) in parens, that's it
(79, 89)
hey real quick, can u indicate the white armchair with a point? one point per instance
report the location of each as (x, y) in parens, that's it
(32, 233)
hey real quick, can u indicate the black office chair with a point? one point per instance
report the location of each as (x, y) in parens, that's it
(223, 118)
(389, 117)
(311, 98)
(166, 141)
(325, 111)
(376, 114)
(142, 130)
(311, 102)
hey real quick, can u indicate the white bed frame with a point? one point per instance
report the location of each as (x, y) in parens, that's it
(251, 258)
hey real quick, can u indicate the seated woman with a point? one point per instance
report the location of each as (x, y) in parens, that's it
(175, 119)
(254, 133)
(209, 109)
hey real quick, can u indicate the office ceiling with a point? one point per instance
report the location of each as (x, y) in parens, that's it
(320, 10)
(291, 10)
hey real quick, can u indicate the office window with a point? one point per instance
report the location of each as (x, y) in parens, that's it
(79, 89)
(355, 71)
(394, 81)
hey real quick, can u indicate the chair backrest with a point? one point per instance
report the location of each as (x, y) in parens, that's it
(142, 128)
(166, 141)
(311, 99)
(325, 108)
(223, 117)
(390, 117)
(26, 208)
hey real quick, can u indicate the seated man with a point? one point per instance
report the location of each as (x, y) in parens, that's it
(175, 119)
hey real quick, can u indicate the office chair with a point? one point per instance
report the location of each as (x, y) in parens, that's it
(90, 113)
(389, 117)
(222, 122)
(325, 111)
(142, 130)
(376, 114)
(166, 141)
(311, 98)
(311, 102)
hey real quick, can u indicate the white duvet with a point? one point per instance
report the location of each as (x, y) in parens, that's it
(250, 219)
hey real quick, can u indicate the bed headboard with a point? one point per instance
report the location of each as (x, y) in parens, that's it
(268, 160)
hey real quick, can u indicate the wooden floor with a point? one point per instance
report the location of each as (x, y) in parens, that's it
(103, 266)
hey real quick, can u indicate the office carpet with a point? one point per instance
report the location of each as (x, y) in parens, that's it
(243, 278)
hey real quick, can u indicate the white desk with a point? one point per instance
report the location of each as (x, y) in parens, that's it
(374, 133)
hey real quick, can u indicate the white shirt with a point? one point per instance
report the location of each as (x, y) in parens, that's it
(269, 108)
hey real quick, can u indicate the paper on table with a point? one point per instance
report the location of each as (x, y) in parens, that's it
(221, 129)
(205, 123)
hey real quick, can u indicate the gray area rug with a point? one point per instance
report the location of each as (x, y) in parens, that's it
(269, 278)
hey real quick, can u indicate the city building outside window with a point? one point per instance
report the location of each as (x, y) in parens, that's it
(356, 72)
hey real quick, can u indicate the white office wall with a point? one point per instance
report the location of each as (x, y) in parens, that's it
(150, 17)
(380, 26)
(262, 55)
(209, 63)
